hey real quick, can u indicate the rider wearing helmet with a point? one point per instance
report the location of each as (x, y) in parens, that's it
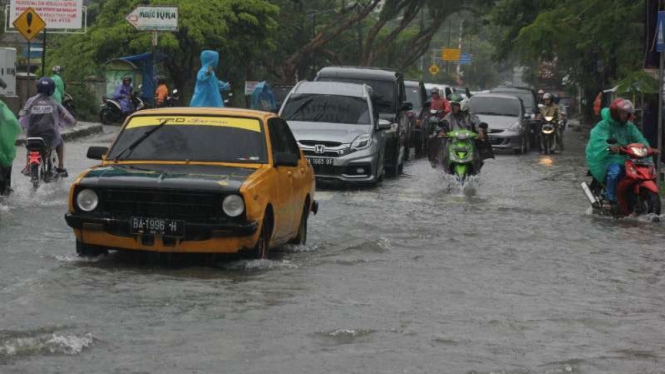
(550, 109)
(43, 117)
(541, 93)
(59, 84)
(123, 94)
(162, 91)
(439, 103)
(603, 159)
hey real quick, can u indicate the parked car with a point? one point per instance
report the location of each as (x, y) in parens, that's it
(194, 180)
(416, 94)
(504, 115)
(339, 130)
(530, 103)
(389, 97)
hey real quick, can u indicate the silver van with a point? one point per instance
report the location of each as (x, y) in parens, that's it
(339, 130)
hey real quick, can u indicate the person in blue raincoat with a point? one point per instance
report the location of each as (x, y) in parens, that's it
(208, 88)
(263, 98)
(124, 95)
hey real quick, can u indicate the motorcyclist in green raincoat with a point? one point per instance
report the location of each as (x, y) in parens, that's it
(9, 130)
(603, 159)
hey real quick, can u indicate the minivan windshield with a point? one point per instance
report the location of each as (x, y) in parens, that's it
(327, 108)
(495, 106)
(526, 96)
(383, 95)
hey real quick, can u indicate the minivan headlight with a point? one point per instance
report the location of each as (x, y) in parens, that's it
(361, 142)
(516, 127)
(233, 205)
(87, 200)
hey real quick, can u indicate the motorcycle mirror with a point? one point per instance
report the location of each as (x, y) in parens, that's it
(483, 126)
(175, 92)
(611, 141)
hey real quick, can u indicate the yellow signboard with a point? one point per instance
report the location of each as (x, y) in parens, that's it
(434, 70)
(451, 54)
(29, 24)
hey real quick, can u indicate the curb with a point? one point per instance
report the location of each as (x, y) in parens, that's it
(77, 133)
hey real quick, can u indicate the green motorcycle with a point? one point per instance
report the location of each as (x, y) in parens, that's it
(460, 157)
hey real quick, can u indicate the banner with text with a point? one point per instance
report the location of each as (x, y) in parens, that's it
(58, 14)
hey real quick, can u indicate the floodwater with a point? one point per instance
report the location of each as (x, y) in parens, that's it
(510, 274)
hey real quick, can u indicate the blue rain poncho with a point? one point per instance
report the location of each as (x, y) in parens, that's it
(9, 130)
(598, 157)
(263, 98)
(207, 92)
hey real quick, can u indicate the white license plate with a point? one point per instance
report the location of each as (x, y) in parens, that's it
(320, 161)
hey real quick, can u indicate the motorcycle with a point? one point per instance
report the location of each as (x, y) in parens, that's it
(461, 157)
(68, 103)
(637, 192)
(434, 126)
(111, 110)
(172, 99)
(40, 162)
(548, 135)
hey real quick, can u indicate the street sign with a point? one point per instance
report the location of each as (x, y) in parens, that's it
(660, 32)
(154, 18)
(465, 59)
(58, 14)
(451, 54)
(250, 86)
(434, 70)
(29, 24)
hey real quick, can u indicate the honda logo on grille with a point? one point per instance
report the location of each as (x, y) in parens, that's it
(319, 149)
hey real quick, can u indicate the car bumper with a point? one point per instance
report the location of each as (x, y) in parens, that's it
(346, 169)
(506, 140)
(200, 238)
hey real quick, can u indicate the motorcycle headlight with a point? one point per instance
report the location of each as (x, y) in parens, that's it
(516, 127)
(462, 136)
(549, 118)
(87, 200)
(233, 205)
(361, 142)
(639, 151)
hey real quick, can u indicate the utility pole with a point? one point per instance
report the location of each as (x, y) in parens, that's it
(459, 66)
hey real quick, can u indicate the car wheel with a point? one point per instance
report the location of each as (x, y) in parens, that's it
(87, 250)
(262, 245)
(301, 239)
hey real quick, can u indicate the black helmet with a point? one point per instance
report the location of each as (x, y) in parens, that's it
(46, 86)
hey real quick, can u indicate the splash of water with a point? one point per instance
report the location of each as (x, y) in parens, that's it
(44, 345)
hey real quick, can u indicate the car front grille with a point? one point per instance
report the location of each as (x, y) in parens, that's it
(190, 206)
(312, 143)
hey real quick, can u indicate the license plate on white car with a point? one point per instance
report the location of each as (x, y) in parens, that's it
(320, 161)
(157, 227)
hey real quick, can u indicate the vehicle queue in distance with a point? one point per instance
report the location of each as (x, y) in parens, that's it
(203, 180)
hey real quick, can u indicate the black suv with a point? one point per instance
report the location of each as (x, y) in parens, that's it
(390, 99)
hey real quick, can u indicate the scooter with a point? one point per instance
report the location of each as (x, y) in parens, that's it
(637, 192)
(461, 160)
(68, 103)
(40, 162)
(111, 110)
(548, 130)
(172, 99)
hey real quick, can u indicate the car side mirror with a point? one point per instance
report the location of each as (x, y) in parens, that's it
(407, 106)
(384, 125)
(97, 153)
(286, 159)
(175, 92)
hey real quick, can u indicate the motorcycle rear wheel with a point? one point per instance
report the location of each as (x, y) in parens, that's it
(105, 117)
(34, 175)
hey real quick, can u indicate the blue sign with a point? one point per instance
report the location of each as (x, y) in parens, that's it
(660, 32)
(465, 58)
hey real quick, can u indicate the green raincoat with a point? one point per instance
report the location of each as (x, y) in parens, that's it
(9, 129)
(598, 157)
(59, 92)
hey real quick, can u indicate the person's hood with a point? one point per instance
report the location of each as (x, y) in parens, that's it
(498, 122)
(209, 58)
(327, 132)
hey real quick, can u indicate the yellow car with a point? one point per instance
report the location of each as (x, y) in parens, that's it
(194, 180)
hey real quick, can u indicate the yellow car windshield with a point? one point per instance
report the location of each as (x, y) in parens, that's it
(192, 138)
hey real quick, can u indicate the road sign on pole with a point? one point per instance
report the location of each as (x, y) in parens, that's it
(465, 59)
(451, 54)
(29, 24)
(154, 18)
(434, 70)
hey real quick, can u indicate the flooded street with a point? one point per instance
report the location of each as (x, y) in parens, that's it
(509, 275)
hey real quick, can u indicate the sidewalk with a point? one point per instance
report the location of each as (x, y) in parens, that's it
(82, 129)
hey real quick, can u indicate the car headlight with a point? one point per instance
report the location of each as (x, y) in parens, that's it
(87, 200)
(516, 127)
(233, 205)
(361, 142)
(639, 151)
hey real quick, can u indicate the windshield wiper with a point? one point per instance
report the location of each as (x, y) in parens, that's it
(321, 113)
(140, 140)
(299, 109)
